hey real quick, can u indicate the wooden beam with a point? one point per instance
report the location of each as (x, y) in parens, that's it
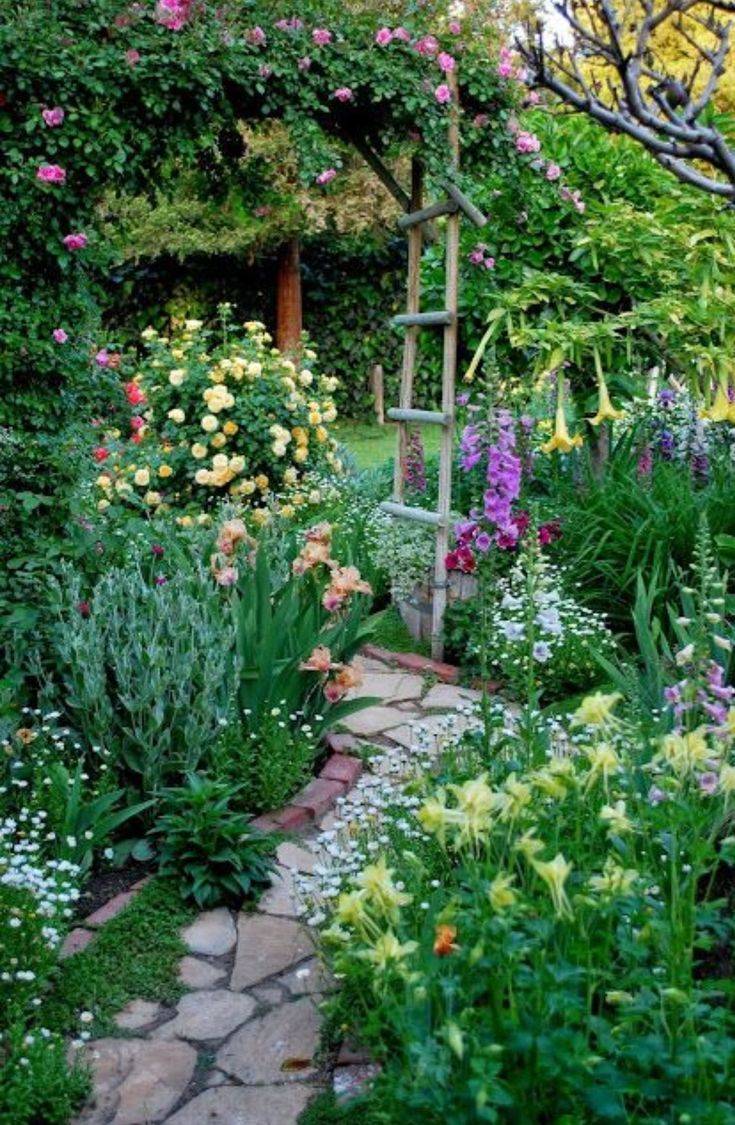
(411, 340)
(424, 319)
(474, 214)
(384, 174)
(414, 515)
(443, 207)
(418, 417)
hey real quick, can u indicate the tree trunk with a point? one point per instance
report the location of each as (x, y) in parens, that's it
(289, 320)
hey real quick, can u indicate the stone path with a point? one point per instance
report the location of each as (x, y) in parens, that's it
(241, 1047)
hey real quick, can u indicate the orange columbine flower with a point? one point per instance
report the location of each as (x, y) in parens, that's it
(444, 943)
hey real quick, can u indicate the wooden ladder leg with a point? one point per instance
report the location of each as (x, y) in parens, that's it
(410, 347)
(449, 374)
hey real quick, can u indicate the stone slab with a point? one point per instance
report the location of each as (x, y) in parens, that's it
(310, 979)
(374, 720)
(213, 933)
(295, 858)
(207, 1014)
(277, 1047)
(280, 898)
(392, 687)
(238, 1105)
(195, 973)
(135, 1081)
(267, 945)
(138, 1014)
(447, 697)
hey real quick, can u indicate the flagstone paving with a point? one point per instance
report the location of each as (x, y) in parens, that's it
(241, 1047)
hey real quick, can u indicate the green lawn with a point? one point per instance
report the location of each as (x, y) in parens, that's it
(371, 444)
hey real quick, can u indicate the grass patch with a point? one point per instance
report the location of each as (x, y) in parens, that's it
(134, 955)
(372, 445)
(326, 1110)
(391, 633)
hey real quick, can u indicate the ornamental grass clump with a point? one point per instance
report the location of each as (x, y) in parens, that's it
(215, 414)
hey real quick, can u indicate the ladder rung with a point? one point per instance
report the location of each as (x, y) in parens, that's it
(416, 515)
(422, 320)
(430, 417)
(473, 213)
(443, 207)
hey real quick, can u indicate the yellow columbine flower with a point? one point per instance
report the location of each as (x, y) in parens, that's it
(727, 779)
(376, 880)
(603, 761)
(560, 440)
(388, 951)
(618, 996)
(616, 818)
(528, 845)
(501, 893)
(606, 412)
(555, 873)
(614, 880)
(685, 752)
(596, 710)
(434, 816)
(351, 909)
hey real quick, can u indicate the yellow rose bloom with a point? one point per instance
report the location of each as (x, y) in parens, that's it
(290, 476)
(329, 414)
(287, 511)
(218, 441)
(321, 434)
(165, 471)
(247, 487)
(230, 428)
(177, 376)
(177, 415)
(221, 476)
(237, 464)
(148, 333)
(219, 461)
(185, 521)
(177, 353)
(300, 454)
(217, 375)
(261, 482)
(198, 450)
(104, 481)
(261, 516)
(254, 369)
(152, 497)
(314, 418)
(142, 478)
(103, 505)
(209, 423)
(202, 476)
(306, 378)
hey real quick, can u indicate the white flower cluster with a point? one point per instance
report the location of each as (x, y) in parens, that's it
(381, 800)
(404, 551)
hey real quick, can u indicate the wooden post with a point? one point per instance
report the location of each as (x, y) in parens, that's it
(377, 390)
(289, 316)
(413, 305)
(449, 374)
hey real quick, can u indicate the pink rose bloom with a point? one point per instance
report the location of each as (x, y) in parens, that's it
(402, 35)
(443, 94)
(321, 36)
(132, 57)
(427, 46)
(135, 397)
(343, 94)
(102, 359)
(505, 69)
(51, 174)
(446, 62)
(553, 172)
(100, 454)
(305, 63)
(384, 37)
(256, 37)
(53, 117)
(489, 263)
(477, 254)
(481, 120)
(137, 423)
(326, 177)
(527, 142)
(265, 71)
(75, 241)
(533, 97)
(455, 27)
(60, 335)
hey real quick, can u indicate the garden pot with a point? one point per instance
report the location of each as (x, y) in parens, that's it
(416, 609)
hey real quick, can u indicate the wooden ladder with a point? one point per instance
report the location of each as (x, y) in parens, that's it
(453, 206)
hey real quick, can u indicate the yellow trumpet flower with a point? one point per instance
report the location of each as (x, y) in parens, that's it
(721, 410)
(606, 412)
(560, 439)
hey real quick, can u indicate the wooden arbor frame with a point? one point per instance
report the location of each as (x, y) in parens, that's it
(454, 205)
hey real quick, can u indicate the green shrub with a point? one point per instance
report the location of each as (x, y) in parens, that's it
(207, 847)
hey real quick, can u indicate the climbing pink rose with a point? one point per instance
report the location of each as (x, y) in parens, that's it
(384, 37)
(443, 94)
(305, 63)
(53, 117)
(527, 142)
(75, 241)
(265, 71)
(402, 35)
(60, 335)
(455, 27)
(446, 62)
(321, 36)
(256, 37)
(427, 46)
(51, 174)
(326, 177)
(480, 120)
(132, 57)
(505, 69)
(553, 172)
(102, 359)
(533, 97)
(136, 422)
(343, 94)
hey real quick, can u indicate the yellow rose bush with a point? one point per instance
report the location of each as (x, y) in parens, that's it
(218, 414)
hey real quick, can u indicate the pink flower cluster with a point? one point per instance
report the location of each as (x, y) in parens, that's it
(573, 197)
(507, 66)
(527, 142)
(256, 37)
(443, 94)
(326, 176)
(428, 46)
(321, 36)
(51, 174)
(479, 256)
(53, 117)
(60, 336)
(343, 94)
(347, 676)
(75, 241)
(294, 24)
(173, 14)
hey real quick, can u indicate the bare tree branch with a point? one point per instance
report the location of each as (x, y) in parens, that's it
(657, 110)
